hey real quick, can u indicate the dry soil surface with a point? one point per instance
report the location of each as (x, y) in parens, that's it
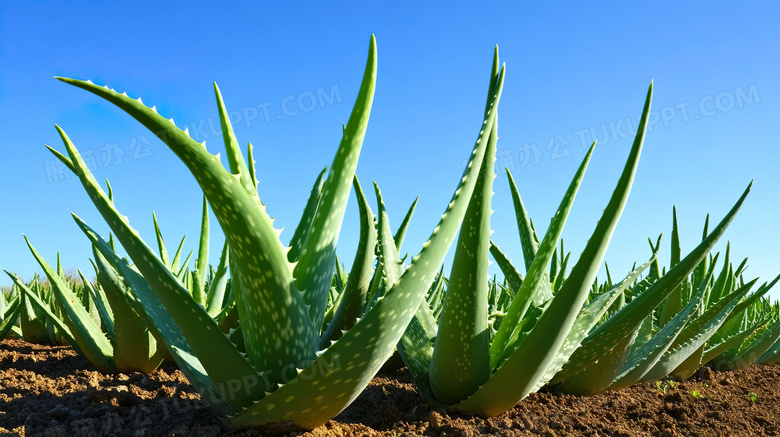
(51, 391)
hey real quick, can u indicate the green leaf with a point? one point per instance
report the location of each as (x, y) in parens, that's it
(460, 362)
(315, 266)
(267, 278)
(346, 367)
(91, 340)
(304, 224)
(160, 242)
(512, 276)
(527, 234)
(589, 316)
(233, 382)
(354, 296)
(34, 299)
(756, 350)
(10, 315)
(98, 296)
(202, 262)
(219, 357)
(644, 358)
(401, 232)
(627, 320)
(536, 282)
(135, 348)
(528, 361)
(216, 294)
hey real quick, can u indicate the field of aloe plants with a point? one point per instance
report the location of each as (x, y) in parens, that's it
(281, 334)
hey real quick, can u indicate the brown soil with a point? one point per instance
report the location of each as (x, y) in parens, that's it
(50, 391)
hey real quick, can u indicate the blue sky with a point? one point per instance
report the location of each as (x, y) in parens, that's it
(290, 72)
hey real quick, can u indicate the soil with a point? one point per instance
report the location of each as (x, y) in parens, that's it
(51, 391)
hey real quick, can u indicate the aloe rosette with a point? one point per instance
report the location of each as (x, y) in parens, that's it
(490, 345)
(667, 323)
(462, 360)
(104, 321)
(10, 306)
(285, 375)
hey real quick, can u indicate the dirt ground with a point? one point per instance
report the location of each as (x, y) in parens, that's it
(51, 391)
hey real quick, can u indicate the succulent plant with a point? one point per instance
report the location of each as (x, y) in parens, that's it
(284, 376)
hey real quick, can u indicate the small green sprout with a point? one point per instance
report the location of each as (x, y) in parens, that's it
(752, 397)
(663, 385)
(696, 394)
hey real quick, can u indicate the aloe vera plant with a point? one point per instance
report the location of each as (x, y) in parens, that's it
(104, 322)
(10, 307)
(34, 323)
(673, 317)
(461, 363)
(285, 376)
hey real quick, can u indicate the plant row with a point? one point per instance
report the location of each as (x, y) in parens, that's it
(283, 333)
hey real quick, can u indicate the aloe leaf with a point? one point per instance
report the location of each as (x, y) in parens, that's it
(750, 300)
(589, 316)
(83, 328)
(460, 362)
(510, 332)
(689, 366)
(202, 261)
(353, 298)
(250, 157)
(772, 356)
(695, 335)
(528, 361)
(512, 276)
(346, 367)
(177, 258)
(215, 351)
(160, 242)
(12, 295)
(304, 224)
(232, 150)
(224, 389)
(87, 300)
(436, 292)
(33, 324)
(248, 233)
(675, 257)
(10, 314)
(597, 377)
(643, 359)
(701, 269)
(401, 232)
(720, 284)
(753, 352)
(536, 282)
(106, 315)
(674, 303)
(561, 277)
(216, 295)
(417, 344)
(527, 240)
(626, 321)
(714, 350)
(714, 316)
(314, 269)
(135, 348)
(339, 278)
(34, 299)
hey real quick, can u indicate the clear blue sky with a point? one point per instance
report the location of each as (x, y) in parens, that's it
(574, 70)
